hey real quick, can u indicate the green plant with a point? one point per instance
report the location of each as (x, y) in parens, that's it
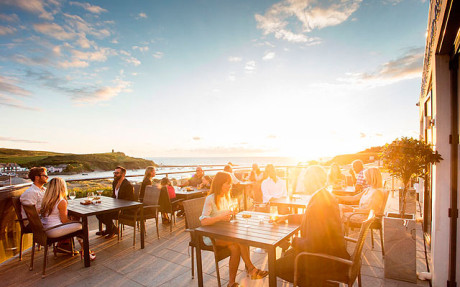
(407, 158)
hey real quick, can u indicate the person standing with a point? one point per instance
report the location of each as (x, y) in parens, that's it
(35, 193)
(121, 189)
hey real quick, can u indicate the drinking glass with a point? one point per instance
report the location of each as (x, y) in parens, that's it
(72, 195)
(90, 195)
(246, 218)
(233, 209)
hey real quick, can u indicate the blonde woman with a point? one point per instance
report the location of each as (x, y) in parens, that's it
(149, 175)
(371, 199)
(217, 208)
(53, 211)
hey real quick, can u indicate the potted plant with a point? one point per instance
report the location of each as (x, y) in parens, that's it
(405, 158)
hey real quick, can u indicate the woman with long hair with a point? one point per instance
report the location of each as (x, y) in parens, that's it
(320, 232)
(335, 178)
(53, 212)
(148, 176)
(217, 208)
(273, 186)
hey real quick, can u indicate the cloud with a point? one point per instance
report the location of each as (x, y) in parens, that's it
(228, 150)
(129, 59)
(88, 7)
(292, 20)
(7, 139)
(250, 67)
(14, 103)
(54, 30)
(268, 56)
(141, 15)
(32, 6)
(196, 138)
(81, 26)
(102, 93)
(272, 137)
(158, 55)
(81, 59)
(231, 76)
(407, 66)
(235, 59)
(362, 135)
(9, 18)
(142, 49)
(10, 86)
(6, 30)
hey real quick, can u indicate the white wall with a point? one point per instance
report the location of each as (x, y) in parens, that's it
(441, 180)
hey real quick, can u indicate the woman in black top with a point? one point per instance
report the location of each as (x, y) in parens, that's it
(149, 175)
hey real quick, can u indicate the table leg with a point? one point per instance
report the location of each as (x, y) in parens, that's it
(271, 266)
(199, 267)
(85, 241)
(142, 226)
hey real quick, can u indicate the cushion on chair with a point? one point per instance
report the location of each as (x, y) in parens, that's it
(64, 230)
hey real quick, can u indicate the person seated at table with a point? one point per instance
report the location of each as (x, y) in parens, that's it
(148, 176)
(273, 187)
(35, 193)
(167, 194)
(357, 174)
(320, 232)
(371, 199)
(196, 179)
(335, 178)
(228, 168)
(53, 212)
(205, 182)
(217, 208)
(121, 189)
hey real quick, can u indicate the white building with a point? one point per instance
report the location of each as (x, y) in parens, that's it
(439, 125)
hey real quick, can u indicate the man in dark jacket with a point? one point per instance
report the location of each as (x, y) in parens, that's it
(121, 189)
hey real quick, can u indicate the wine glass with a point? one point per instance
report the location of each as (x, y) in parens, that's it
(72, 195)
(99, 193)
(246, 217)
(90, 195)
(233, 209)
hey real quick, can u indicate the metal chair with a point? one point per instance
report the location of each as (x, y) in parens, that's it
(24, 229)
(193, 209)
(40, 237)
(377, 224)
(150, 206)
(354, 265)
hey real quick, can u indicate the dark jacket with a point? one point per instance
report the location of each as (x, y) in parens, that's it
(126, 191)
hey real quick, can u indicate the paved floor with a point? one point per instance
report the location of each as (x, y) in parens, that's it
(164, 262)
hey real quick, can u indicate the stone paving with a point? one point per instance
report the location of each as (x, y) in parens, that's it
(165, 262)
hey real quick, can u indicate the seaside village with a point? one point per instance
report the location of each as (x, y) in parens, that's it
(386, 219)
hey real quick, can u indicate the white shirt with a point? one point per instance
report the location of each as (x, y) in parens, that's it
(32, 196)
(234, 179)
(271, 189)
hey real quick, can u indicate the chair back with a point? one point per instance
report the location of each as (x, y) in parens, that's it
(35, 224)
(193, 209)
(137, 189)
(18, 210)
(357, 252)
(381, 212)
(152, 195)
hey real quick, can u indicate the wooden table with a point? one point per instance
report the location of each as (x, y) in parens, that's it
(108, 204)
(185, 194)
(295, 202)
(263, 235)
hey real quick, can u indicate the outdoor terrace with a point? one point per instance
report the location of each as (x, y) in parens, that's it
(166, 262)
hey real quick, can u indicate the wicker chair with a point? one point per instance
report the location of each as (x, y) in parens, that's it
(349, 222)
(354, 265)
(131, 217)
(40, 237)
(193, 209)
(137, 189)
(168, 206)
(24, 229)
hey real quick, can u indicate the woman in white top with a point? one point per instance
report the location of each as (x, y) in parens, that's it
(217, 208)
(53, 211)
(272, 186)
(371, 199)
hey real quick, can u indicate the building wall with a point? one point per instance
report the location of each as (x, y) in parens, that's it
(441, 180)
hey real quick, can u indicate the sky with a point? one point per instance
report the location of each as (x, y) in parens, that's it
(155, 78)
